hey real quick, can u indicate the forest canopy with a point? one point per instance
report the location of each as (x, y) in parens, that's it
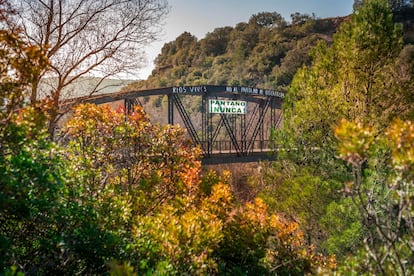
(264, 52)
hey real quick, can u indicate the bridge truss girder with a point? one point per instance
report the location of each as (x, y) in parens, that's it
(244, 133)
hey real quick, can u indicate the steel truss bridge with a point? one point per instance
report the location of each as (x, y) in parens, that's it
(239, 127)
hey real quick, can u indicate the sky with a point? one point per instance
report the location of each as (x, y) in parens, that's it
(202, 16)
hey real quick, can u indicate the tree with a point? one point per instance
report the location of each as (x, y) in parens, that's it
(31, 167)
(87, 38)
(36, 215)
(382, 189)
(394, 4)
(215, 43)
(358, 78)
(177, 52)
(271, 20)
(20, 64)
(33, 190)
(298, 18)
(258, 242)
(129, 154)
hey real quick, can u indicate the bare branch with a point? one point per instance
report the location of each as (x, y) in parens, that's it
(89, 38)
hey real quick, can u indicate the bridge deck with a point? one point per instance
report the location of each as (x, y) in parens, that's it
(234, 158)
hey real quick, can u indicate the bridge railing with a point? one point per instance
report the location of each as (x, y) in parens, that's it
(227, 147)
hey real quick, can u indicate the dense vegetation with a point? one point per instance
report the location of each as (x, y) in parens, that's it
(347, 119)
(265, 52)
(118, 194)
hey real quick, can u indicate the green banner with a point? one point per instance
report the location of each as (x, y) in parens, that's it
(227, 106)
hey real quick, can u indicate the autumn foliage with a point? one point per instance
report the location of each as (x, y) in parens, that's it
(123, 195)
(152, 176)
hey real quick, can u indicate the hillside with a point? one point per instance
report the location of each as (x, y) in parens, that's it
(265, 52)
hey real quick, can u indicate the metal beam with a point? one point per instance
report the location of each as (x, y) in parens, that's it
(187, 121)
